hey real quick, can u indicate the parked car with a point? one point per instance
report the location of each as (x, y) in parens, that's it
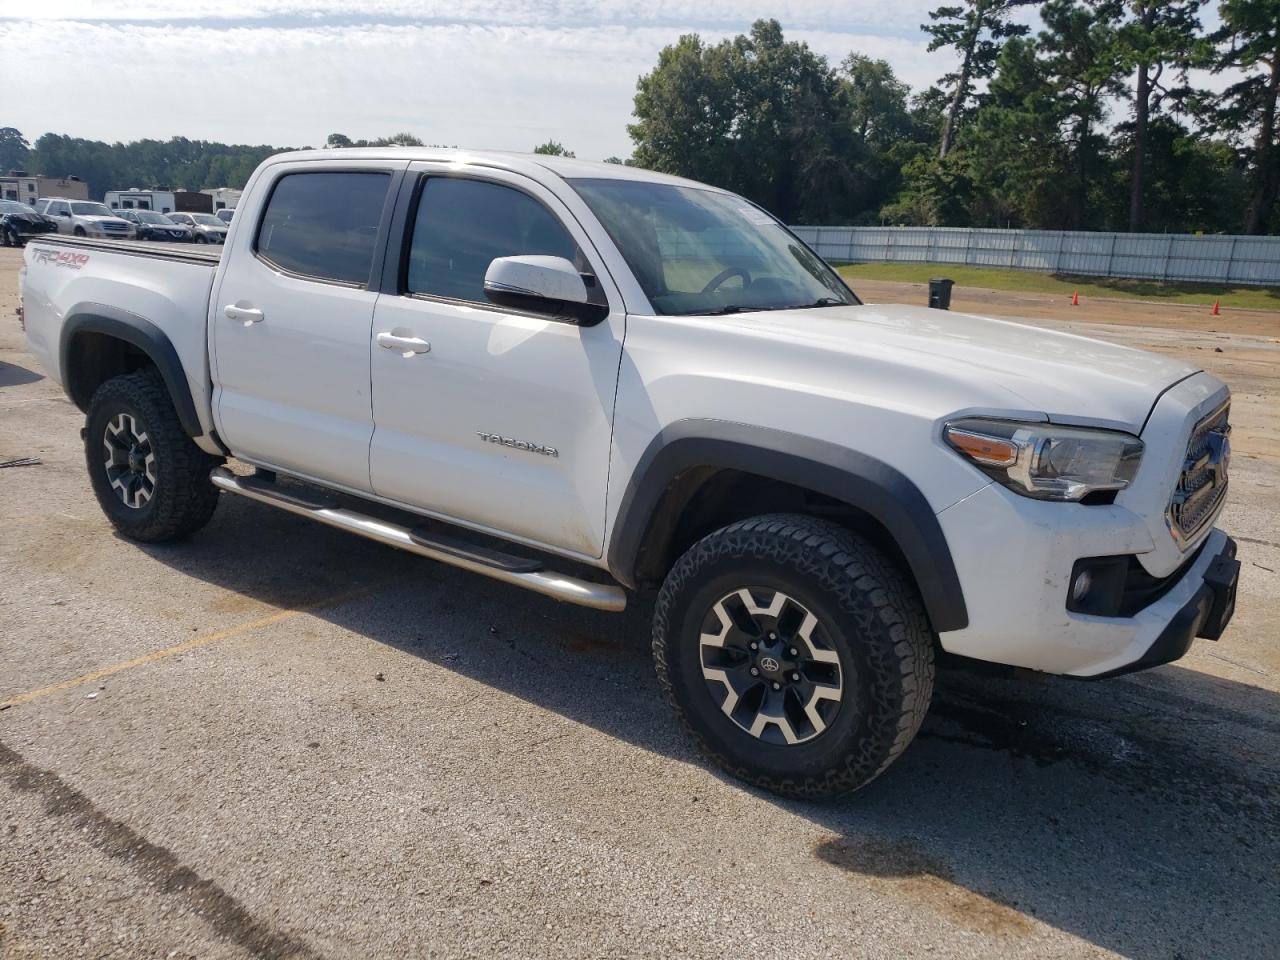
(19, 223)
(225, 214)
(149, 225)
(205, 227)
(632, 384)
(84, 218)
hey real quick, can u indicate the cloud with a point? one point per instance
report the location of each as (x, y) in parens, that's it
(481, 85)
(879, 16)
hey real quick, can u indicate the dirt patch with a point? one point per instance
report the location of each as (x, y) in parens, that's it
(901, 868)
(585, 643)
(1009, 303)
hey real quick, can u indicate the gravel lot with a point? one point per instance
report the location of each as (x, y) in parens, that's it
(277, 740)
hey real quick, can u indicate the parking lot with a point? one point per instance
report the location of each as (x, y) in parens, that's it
(278, 740)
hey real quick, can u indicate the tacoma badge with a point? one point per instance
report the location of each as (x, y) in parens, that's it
(518, 444)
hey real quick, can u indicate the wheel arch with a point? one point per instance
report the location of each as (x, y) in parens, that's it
(99, 341)
(707, 458)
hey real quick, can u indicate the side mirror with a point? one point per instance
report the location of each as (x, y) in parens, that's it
(542, 285)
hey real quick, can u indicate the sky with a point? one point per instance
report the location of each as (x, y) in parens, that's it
(471, 73)
(468, 73)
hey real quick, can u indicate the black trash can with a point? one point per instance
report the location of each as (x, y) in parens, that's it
(940, 293)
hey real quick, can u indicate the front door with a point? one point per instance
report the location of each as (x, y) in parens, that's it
(291, 320)
(489, 416)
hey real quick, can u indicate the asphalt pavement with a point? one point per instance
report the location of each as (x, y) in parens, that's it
(278, 740)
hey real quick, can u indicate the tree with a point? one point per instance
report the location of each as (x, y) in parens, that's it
(177, 163)
(975, 29)
(876, 100)
(757, 114)
(685, 109)
(1082, 65)
(1250, 36)
(788, 144)
(14, 149)
(883, 133)
(337, 140)
(1160, 36)
(402, 139)
(553, 148)
(1013, 148)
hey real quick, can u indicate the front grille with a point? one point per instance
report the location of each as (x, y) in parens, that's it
(1202, 483)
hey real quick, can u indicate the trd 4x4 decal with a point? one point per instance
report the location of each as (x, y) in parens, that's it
(62, 258)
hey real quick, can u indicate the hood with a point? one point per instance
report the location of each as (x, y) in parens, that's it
(972, 362)
(99, 218)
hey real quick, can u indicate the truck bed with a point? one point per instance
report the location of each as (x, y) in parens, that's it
(164, 287)
(199, 253)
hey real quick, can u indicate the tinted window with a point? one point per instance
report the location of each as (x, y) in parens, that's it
(463, 225)
(323, 225)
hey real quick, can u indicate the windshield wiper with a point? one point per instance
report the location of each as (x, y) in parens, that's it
(822, 302)
(728, 308)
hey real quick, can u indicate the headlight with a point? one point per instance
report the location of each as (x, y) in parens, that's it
(1045, 461)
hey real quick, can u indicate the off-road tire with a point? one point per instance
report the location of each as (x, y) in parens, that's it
(182, 499)
(872, 616)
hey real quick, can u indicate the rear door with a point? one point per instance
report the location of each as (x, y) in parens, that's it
(497, 418)
(291, 320)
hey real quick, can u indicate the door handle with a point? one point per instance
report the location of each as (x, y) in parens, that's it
(246, 315)
(408, 346)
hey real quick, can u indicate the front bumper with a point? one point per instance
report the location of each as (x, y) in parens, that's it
(1205, 615)
(1016, 590)
(26, 230)
(1016, 558)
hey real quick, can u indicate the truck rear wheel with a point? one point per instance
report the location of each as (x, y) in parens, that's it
(795, 653)
(150, 478)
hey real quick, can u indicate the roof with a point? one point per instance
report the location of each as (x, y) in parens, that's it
(530, 164)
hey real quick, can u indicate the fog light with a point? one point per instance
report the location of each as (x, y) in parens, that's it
(1081, 585)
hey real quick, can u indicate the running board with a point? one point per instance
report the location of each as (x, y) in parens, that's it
(456, 553)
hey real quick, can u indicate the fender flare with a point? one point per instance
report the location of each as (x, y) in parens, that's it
(146, 336)
(849, 476)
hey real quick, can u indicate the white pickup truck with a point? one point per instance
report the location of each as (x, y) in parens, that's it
(606, 382)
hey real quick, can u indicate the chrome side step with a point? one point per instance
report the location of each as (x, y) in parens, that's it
(522, 573)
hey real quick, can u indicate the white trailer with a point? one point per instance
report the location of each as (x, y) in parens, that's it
(161, 201)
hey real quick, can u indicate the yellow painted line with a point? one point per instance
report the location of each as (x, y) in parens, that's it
(177, 648)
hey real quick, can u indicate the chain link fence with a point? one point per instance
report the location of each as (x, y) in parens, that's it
(1143, 256)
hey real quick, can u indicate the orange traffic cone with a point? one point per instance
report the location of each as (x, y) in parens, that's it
(1215, 312)
(1075, 299)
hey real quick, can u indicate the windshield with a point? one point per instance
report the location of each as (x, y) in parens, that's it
(701, 251)
(13, 206)
(90, 210)
(207, 219)
(146, 216)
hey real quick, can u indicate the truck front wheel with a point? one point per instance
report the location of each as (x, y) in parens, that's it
(795, 653)
(150, 478)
